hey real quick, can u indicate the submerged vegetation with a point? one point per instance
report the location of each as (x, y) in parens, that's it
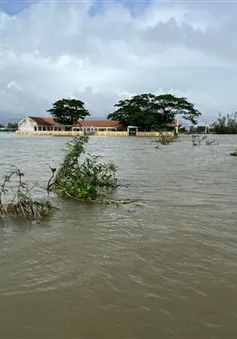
(199, 140)
(84, 179)
(234, 153)
(165, 139)
(16, 200)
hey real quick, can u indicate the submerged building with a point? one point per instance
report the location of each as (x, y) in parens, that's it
(48, 126)
(38, 124)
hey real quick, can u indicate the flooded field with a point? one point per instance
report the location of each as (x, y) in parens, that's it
(163, 267)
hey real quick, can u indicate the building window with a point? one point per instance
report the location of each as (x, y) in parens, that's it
(35, 128)
(39, 128)
(43, 128)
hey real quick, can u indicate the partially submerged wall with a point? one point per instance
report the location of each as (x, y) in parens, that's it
(55, 133)
(98, 133)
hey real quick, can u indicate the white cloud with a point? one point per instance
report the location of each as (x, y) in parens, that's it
(53, 50)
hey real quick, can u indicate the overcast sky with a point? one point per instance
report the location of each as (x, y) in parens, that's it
(101, 52)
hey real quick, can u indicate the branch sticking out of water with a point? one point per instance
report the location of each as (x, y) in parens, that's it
(199, 140)
(19, 203)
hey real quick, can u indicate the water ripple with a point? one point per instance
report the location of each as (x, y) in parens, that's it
(164, 267)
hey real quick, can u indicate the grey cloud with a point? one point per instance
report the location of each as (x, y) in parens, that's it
(57, 49)
(217, 41)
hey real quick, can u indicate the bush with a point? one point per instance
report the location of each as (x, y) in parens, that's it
(18, 202)
(83, 180)
(166, 139)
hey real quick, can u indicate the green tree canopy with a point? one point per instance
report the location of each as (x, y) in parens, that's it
(148, 111)
(68, 111)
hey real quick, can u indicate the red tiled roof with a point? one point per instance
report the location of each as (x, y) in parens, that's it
(83, 123)
(44, 121)
(98, 123)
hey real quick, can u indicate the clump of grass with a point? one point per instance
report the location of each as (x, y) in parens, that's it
(16, 200)
(199, 140)
(84, 180)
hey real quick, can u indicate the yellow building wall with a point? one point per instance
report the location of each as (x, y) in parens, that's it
(98, 133)
(55, 133)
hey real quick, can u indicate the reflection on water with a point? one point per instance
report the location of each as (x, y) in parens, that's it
(163, 267)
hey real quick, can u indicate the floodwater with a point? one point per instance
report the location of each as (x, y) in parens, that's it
(163, 267)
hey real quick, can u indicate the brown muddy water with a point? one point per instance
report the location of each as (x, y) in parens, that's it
(164, 267)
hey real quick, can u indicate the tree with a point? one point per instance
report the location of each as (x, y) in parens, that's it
(225, 124)
(12, 125)
(148, 111)
(68, 111)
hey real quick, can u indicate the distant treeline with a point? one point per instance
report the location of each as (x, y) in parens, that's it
(10, 126)
(224, 124)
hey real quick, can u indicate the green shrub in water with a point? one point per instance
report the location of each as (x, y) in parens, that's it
(87, 179)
